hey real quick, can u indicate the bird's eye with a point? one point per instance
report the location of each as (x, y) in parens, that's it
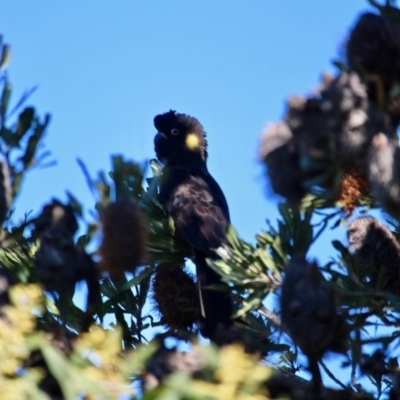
(174, 132)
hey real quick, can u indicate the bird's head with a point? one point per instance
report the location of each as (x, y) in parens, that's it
(56, 214)
(180, 139)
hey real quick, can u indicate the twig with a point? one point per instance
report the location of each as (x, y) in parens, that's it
(270, 315)
(329, 373)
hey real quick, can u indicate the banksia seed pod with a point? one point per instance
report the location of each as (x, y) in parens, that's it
(377, 253)
(278, 154)
(123, 246)
(337, 125)
(374, 47)
(322, 134)
(373, 50)
(384, 173)
(309, 313)
(175, 297)
(273, 137)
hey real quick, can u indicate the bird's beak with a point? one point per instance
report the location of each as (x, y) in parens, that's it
(159, 136)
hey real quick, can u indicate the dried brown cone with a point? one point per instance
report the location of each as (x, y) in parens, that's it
(322, 134)
(123, 245)
(310, 317)
(175, 297)
(373, 50)
(336, 126)
(383, 173)
(374, 46)
(353, 186)
(281, 159)
(377, 254)
(309, 312)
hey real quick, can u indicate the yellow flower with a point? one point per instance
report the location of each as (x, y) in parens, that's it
(106, 344)
(21, 320)
(234, 364)
(239, 377)
(27, 297)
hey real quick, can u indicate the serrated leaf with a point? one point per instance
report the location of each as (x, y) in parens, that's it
(5, 98)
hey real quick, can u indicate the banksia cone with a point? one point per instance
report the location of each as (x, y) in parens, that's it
(373, 47)
(373, 50)
(322, 136)
(377, 253)
(352, 187)
(336, 125)
(309, 313)
(282, 161)
(384, 173)
(175, 297)
(124, 238)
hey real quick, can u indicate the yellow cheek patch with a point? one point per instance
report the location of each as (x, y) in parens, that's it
(192, 141)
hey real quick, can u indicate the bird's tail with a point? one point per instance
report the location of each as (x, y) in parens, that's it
(216, 306)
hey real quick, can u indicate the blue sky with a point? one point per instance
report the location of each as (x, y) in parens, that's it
(105, 68)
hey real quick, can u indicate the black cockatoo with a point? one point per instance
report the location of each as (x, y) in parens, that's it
(59, 264)
(196, 203)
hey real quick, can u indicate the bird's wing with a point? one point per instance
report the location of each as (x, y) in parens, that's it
(199, 212)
